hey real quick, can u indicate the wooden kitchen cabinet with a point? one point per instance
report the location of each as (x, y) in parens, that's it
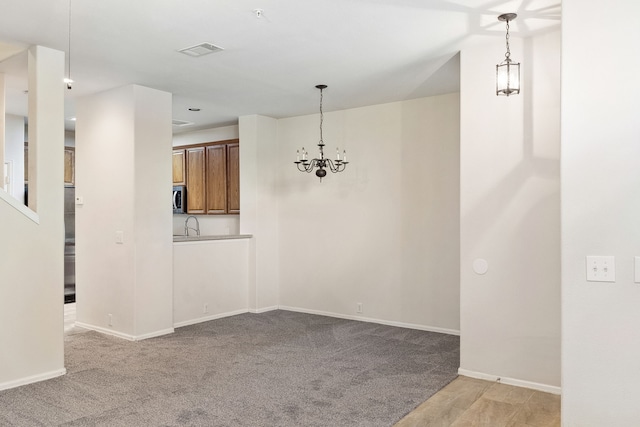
(212, 177)
(196, 188)
(216, 179)
(179, 168)
(233, 178)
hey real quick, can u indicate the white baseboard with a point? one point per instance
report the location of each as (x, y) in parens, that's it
(105, 331)
(372, 320)
(154, 334)
(511, 381)
(32, 379)
(123, 335)
(208, 318)
(264, 309)
(318, 312)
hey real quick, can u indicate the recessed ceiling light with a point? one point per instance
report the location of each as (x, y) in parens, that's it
(200, 49)
(194, 109)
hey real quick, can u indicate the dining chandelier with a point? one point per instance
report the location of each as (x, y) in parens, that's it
(320, 164)
(507, 72)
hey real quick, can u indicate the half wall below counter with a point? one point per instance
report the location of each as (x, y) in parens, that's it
(210, 278)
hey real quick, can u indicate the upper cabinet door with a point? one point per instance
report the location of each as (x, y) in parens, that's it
(179, 168)
(233, 178)
(211, 173)
(196, 196)
(216, 179)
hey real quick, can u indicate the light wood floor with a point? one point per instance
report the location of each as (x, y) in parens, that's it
(469, 402)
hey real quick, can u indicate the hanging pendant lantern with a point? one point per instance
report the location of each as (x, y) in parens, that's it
(508, 71)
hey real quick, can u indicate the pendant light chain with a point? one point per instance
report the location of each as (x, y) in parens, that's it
(508, 54)
(321, 144)
(68, 80)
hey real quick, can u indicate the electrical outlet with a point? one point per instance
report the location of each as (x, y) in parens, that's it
(110, 319)
(205, 308)
(359, 308)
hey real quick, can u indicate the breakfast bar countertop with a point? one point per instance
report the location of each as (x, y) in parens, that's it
(182, 238)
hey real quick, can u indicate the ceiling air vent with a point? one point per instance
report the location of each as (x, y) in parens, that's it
(200, 49)
(180, 123)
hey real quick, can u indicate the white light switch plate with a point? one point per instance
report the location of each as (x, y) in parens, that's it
(120, 237)
(601, 269)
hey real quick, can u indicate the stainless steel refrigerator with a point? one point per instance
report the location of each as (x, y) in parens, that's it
(69, 244)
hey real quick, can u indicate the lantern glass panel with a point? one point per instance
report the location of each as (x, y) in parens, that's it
(508, 78)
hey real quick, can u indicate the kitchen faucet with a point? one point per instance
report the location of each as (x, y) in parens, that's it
(187, 228)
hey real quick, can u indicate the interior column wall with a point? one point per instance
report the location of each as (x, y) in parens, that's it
(510, 216)
(259, 208)
(153, 219)
(2, 119)
(600, 211)
(104, 165)
(32, 245)
(123, 224)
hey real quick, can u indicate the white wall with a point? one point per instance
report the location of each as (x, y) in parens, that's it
(31, 247)
(383, 233)
(2, 119)
(211, 225)
(206, 135)
(259, 208)
(210, 280)
(510, 216)
(14, 152)
(105, 179)
(600, 212)
(123, 173)
(152, 194)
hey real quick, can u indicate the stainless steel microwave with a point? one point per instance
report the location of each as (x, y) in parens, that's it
(179, 199)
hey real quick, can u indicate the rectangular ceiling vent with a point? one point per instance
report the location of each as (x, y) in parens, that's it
(200, 49)
(180, 123)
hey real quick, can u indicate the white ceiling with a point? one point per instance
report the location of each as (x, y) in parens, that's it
(366, 51)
